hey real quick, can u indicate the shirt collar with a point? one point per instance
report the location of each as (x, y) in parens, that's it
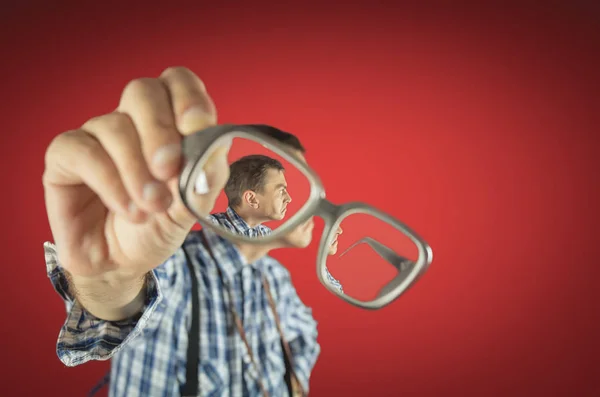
(241, 226)
(226, 255)
(229, 258)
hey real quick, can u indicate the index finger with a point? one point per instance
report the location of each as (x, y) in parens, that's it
(193, 108)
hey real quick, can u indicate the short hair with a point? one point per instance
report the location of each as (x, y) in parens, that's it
(248, 173)
(280, 135)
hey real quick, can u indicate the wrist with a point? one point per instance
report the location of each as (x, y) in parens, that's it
(111, 297)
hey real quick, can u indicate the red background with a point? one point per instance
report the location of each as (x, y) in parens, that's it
(475, 125)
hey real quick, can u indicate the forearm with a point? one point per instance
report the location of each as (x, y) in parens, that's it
(85, 336)
(110, 298)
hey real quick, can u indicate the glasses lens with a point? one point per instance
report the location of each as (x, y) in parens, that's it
(263, 192)
(369, 257)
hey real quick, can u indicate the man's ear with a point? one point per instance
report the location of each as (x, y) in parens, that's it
(250, 198)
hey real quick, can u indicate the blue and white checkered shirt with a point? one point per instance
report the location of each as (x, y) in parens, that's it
(239, 226)
(149, 353)
(235, 224)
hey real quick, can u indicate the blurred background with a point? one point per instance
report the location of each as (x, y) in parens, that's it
(475, 125)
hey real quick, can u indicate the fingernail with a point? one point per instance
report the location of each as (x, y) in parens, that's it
(195, 119)
(167, 155)
(201, 185)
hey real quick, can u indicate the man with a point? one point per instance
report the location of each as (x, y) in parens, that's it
(124, 256)
(264, 196)
(257, 192)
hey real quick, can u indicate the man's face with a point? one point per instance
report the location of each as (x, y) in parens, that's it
(274, 197)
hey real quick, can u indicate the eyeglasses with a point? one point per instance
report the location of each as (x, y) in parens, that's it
(277, 194)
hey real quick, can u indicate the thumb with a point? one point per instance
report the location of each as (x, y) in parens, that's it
(206, 191)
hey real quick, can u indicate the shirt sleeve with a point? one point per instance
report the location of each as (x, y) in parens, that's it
(84, 337)
(334, 282)
(299, 329)
(214, 219)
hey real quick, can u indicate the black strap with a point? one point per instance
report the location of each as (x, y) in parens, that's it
(287, 377)
(191, 387)
(101, 383)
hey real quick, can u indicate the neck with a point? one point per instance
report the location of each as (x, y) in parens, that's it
(246, 215)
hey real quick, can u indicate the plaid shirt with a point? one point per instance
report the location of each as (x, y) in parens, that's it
(239, 225)
(148, 353)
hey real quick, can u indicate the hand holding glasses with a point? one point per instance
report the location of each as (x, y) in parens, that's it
(379, 256)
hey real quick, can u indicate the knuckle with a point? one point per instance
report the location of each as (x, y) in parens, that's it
(180, 73)
(58, 143)
(174, 70)
(91, 149)
(200, 85)
(139, 87)
(146, 101)
(158, 123)
(112, 122)
(163, 125)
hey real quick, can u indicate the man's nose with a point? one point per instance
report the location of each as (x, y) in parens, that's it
(339, 230)
(288, 198)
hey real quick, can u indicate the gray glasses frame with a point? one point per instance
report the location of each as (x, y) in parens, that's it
(196, 149)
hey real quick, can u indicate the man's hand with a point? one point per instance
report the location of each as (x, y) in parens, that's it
(111, 189)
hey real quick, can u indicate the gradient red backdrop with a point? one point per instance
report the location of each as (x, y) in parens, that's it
(477, 126)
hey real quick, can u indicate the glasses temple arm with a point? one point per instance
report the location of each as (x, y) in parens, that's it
(399, 262)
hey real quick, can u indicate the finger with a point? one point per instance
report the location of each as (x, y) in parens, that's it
(146, 101)
(194, 111)
(214, 177)
(193, 108)
(202, 203)
(117, 134)
(76, 157)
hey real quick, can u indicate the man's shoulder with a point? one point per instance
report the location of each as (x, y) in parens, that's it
(203, 245)
(264, 229)
(218, 218)
(272, 266)
(194, 242)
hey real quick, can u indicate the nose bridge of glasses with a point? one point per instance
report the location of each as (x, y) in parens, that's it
(194, 147)
(329, 212)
